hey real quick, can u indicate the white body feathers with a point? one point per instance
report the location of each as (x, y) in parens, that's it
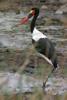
(36, 35)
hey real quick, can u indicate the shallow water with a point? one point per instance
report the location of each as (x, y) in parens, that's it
(20, 36)
(10, 35)
(16, 83)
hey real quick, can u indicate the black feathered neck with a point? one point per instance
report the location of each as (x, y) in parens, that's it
(34, 18)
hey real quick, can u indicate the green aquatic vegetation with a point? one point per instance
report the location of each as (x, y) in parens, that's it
(1, 51)
(56, 22)
(27, 29)
(1, 44)
(65, 13)
(3, 65)
(8, 32)
(7, 96)
(11, 55)
(6, 56)
(41, 69)
(40, 96)
(15, 69)
(17, 12)
(65, 70)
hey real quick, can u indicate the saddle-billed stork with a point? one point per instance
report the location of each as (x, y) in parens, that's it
(42, 44)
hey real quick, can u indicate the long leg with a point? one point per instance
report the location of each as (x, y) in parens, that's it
(44, 83)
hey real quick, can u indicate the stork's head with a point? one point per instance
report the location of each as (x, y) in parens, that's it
(34, 11)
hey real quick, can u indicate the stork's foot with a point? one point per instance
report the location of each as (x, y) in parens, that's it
(43, 87)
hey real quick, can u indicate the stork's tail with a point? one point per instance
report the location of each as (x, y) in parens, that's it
(56, 67)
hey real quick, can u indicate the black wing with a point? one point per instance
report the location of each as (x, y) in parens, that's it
(46, 47)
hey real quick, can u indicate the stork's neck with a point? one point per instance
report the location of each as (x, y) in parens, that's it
(33, 22)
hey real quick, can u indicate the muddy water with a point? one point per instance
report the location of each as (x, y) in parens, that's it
(10, 35)
(53, 26)
(16, 83)
(20, 36)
